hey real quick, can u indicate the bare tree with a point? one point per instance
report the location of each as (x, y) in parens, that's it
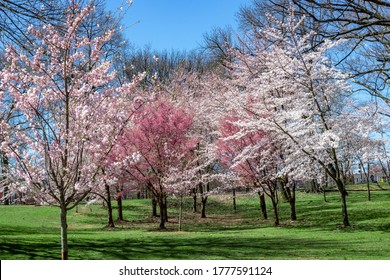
(217, 44)
(17, 15)
(366, 24)
(161, 66)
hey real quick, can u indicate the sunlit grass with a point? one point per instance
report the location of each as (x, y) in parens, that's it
(33, 232)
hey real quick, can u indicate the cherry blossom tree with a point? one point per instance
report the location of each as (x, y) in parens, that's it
(7, 123)
(194, 92)
(304, 97)
(69, 116)
(155, 149)
(202, 97)
(254, 157)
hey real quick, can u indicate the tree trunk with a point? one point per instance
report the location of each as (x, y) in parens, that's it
(194, 195)
(165, 209)
(314, 186)
(109, 207)
(283, 191)
(344, 209)
(293, 213)
(6, 194)
(368, 191)
(368, 182)
(162, 212)
(234, 200)
(263, 206)
(203, 199)
(203, 210)
(154, 207)
(64, 233)
(120, 207)
(180, 212)
(275, 208)
(290, 192)
(326, 185)
(325, 196)
(343, 193)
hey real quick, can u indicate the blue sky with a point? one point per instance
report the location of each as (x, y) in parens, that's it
(176, 24)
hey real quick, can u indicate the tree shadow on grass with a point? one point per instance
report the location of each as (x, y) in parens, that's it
(31, 249)
(24, 230)
(169, 247)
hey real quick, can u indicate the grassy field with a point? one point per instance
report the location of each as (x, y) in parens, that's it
(32, 232)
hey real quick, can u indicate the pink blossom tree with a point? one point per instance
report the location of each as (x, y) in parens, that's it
(155, 150)
(254, 157)
(69, 112)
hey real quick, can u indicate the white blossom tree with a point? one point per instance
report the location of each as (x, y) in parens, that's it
(296, 93)
(71, 114)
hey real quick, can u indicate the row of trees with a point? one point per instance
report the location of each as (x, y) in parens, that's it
(82, 119)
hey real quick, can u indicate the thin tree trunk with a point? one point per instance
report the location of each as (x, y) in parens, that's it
(314, 186)
(194, 195)
(162, 212)
(284, 194)
(263, 206)
(343, 194)
(64, 233)
(325, 196)
(293, 212)
(120, 207)
(109, 207)
(203, 210)
(165, 209)
(368, 182)
(291, 199)
(6, 194)
(154, 207)
(344, 209)
(180, 212)
(326, 185)
(275, 208)
(234, 200)
(203, 197)
(367, 175)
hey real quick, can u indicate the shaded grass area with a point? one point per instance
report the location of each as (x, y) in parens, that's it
(31, 232)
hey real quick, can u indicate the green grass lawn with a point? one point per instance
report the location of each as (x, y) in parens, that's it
(32, 232)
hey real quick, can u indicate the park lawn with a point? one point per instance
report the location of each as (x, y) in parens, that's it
(33, 232)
